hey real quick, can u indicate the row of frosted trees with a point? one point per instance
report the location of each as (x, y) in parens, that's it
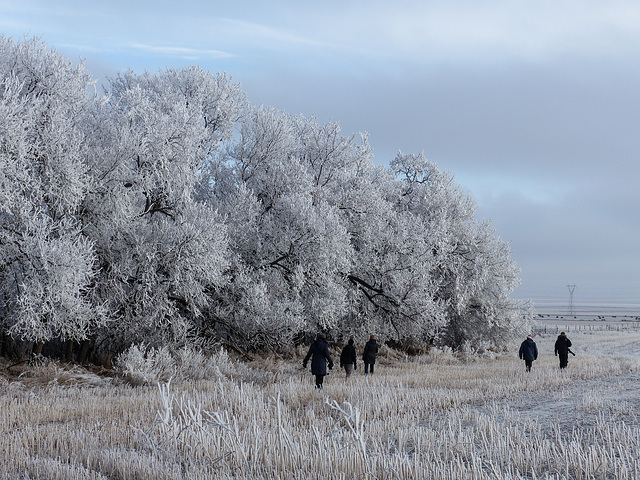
(167, 210)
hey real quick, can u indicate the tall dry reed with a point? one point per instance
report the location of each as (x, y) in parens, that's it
(434, 417)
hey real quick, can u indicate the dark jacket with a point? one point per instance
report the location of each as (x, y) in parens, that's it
(562, 345)
(528, 350)
(348, 355)
(319, 354)
(370, 351)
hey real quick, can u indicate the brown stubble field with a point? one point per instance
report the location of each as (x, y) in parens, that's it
(477, 415)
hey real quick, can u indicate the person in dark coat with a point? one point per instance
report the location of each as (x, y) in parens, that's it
(528, 352)
(369, 354)
(562, 349)
(319, 354)
(348, 358)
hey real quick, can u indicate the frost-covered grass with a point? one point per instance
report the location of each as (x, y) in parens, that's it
(430, 417)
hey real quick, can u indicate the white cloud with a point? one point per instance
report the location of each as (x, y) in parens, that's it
(249, 31)
(183, 52)
(429, 31)
(413, 32)
(491, 187)
(81, 47)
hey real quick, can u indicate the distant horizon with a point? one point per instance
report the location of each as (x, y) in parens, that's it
(584, 293)
(601, 301)
(581, 309)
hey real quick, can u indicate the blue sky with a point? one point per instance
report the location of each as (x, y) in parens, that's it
(533, 106)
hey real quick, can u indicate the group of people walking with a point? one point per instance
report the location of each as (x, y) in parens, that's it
(321, 358)
(529, 351)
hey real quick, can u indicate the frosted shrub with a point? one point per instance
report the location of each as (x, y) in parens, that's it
(471, 351)
(224, 365)
(140, 365)
(439, 356)
(193, 364)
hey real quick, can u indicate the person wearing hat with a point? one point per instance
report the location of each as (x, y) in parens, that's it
(528, 352)
(562, 346)
(319, 354)
(369, 354)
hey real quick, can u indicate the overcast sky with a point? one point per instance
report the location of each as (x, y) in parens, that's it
(533, 106)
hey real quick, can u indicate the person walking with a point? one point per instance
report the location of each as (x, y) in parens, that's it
(528, 352)
(348, 358)
(320, 358)
(562, 346)
(369, 354)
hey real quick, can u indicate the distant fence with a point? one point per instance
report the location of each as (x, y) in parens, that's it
(575, 327)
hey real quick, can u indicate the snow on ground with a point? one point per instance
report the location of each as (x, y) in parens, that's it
(579, 405)
(483, 418)
(581, 402)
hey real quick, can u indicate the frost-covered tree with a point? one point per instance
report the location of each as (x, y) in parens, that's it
(168, 209)
(160, 249)
(46, 264)
(390, 283)
(325, 240)
(471, 266)
(387, 281)
(290, 246)
(319, 239)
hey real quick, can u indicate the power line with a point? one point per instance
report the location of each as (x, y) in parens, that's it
(571, 290)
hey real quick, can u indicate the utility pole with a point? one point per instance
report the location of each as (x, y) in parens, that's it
(571, 290)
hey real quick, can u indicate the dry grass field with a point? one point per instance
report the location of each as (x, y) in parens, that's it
(479, 416)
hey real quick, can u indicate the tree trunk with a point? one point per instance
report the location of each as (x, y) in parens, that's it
(69, 355)
(37, 348)
(4, 346)
(84, 351)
